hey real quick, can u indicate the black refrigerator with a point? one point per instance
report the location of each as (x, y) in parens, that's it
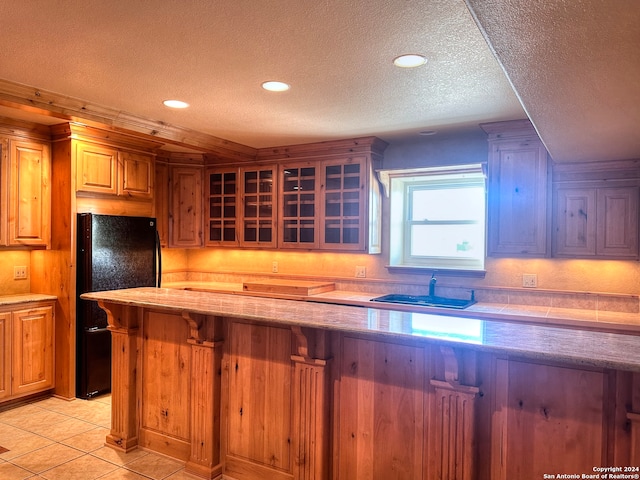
(113, 252)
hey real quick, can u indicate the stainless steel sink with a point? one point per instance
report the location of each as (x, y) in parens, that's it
(425, 300)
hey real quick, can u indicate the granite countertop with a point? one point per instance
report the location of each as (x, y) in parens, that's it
(569, 317)
(25, 298)
(574, 345)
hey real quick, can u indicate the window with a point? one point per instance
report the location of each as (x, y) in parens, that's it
(437, 217)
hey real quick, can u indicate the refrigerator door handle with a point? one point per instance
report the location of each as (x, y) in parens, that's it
(159, 260)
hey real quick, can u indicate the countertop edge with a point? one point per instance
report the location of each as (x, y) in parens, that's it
(544, 342)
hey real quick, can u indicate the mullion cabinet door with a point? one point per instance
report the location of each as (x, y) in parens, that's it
(222, 207)
(299, 201)
(259, 191)
(343, 203)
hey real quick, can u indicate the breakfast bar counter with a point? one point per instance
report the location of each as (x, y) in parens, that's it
(252, 387)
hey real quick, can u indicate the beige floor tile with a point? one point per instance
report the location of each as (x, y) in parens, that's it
(117, 457)
(123, 474)
(46, 458)
(21, 443)
(93, 412)
(182, 475)
(16, 414)
(62, 430)
(88, 441)
(35, 419)
(8, 471)
(155, 466)
(86, 467)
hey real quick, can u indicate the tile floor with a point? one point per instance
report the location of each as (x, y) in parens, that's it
(55, 439)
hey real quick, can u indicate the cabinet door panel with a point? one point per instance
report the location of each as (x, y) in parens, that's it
(343, 201)
(137, 175)
(222, 210)
(575, 222)
(5, 355)
(518, 198)
(186, 207)
(30, 195)
(617, 227)
(96, 169)
(548, 419)
(32, 350)
(258, 193)
(299, 194)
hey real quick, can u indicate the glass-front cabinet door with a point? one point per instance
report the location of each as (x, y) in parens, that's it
(259, 187)
(299, 209)
(222, 208)
(343, 201)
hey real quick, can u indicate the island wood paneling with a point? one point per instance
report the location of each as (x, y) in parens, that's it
(165, 356)
(259, 402)
(381, 426)
(549, 419)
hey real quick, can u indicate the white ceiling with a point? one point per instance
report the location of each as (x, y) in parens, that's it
(124, 57)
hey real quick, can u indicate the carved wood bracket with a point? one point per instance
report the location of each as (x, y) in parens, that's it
(453, 372)
(310, 346)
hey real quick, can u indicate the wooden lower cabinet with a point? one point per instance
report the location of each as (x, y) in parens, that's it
(5, 355)
(243, 400)
(27, 355)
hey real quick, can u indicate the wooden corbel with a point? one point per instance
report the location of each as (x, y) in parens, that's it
(195, 322)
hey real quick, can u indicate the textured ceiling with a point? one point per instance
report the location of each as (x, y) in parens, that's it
(337, 55)
(574, 66)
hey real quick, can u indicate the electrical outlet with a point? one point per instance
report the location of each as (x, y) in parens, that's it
(274, 267)
(529, 280)
(19, 273)
(361, 272)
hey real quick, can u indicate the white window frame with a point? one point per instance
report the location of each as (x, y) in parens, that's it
(399, 184)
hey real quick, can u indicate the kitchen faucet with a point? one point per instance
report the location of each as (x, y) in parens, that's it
(432, 284)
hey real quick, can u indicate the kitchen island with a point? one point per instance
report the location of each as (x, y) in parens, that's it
(250, 387)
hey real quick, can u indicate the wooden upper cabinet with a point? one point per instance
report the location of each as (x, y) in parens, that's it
(299, 205)
(96, 169)
(343, 215)
(222, 209)
(102, 169)
(185, 207)
(258, 206)
(137, 174)
(518, 191)
(26, 184)
(330, 205)
(617, 222)
(596, 209)
(575, 222)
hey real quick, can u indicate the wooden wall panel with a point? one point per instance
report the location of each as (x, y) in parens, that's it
(382, 389)
(551, 419)
(166, 360)
(259, 400)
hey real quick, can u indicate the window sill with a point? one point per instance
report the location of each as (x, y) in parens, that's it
(407, 269)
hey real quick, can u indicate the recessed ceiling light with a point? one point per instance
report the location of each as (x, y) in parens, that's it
(427, 133)
(410, 60)
(274, 86)
(175, 104)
